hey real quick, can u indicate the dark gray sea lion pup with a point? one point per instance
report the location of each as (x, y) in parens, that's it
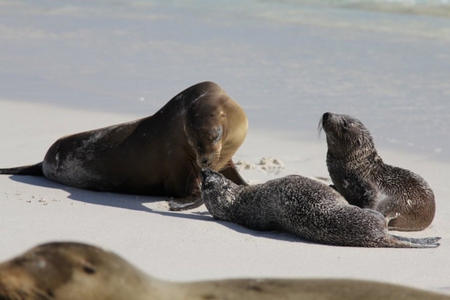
(302, 206)
(359, 174)
(72, 271)
(160, 155)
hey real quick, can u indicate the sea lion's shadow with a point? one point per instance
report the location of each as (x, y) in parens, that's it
(125, 201)
(136, 202)
(274, 235)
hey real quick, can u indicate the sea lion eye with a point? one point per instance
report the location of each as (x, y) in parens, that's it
(216, 138)
(217, 135)
(344, 126)
(88, 269)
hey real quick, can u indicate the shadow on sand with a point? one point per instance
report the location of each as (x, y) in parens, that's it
(136, 202)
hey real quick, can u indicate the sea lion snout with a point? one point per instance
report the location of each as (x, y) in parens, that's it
(205, 162)
(330, 119)
(207, 175)
(325, 120)
(326, 116)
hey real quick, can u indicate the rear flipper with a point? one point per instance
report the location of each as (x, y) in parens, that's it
(430, 242)
(35, 170)
(179, 204)
(230, 172)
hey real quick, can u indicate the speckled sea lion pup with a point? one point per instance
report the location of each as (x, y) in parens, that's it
(302, 206)
(72, 271)
(160, 155)
(359, 174)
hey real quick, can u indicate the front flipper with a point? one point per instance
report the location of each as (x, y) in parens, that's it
(179, 204)
(231, 173)
(377, 214)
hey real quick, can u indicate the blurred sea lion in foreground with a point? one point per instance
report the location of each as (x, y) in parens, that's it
(73, 271)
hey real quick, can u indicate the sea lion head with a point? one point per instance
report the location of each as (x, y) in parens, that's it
(69, 271)
(35, 274)
(346, 136)
(218, 193)
(204, 129)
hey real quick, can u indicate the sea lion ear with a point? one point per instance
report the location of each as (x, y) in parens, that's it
(222, 114)
(88, 269)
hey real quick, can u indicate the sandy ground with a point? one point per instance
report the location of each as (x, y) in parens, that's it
(67, 68)
(191, 245)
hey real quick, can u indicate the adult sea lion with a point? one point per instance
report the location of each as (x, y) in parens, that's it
(160, 155)
(72, 271)
(302, 206)
(360, 175)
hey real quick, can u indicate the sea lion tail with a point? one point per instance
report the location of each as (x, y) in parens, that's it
(35, 170)
(404, 242)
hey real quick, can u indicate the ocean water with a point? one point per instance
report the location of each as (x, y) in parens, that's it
(286, 62)
(425, 7)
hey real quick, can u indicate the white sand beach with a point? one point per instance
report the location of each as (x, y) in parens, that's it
(67, 68)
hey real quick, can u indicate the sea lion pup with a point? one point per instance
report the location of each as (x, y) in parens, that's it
(302, 206)
(72, 271)
(160, 155)
(359, 174)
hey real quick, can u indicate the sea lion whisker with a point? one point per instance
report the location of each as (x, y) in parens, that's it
(319, 127)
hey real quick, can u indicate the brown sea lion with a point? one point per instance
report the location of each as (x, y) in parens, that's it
(302, 206)
(72, 271)
(360, 175)
(160, 155)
